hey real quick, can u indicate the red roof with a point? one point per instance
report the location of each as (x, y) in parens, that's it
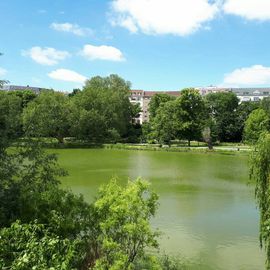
(152, 93)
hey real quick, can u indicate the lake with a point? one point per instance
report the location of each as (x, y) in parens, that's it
(207, 209)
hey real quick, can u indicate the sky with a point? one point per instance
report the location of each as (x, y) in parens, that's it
(154, 44)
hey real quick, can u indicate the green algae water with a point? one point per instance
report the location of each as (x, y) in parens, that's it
(207, 212)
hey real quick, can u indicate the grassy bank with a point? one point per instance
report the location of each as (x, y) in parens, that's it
(200, 147)
(228, 149)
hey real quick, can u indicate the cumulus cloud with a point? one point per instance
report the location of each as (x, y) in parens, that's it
(249, 9)
(46, 56)
(3, 72)
(71, 28)
(246, 76)
(102, 52)
(67, 75)
(177, 17)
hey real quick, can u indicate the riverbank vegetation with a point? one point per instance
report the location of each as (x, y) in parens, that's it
(102, 113)
(260, 174)
(45, 227)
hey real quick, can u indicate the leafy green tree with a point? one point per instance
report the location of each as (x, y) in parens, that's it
(192, 114)
(166, 124)
(87, 124)
(257, 123)
(242, 113)
(222, 109)
(74, 92)
(25, 95)
(156, 101)
(103, 105)
(124, 218)
(10, 118)
(32, 246)
(47, 116)
(265, 105)
(260, 173)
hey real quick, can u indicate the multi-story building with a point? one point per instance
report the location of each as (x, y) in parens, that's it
(251, 94)
(244, 94)
(7, 87)
(143, 98)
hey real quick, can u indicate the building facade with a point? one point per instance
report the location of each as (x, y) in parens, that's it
(7, 87)
(143, 98)
(244, 94)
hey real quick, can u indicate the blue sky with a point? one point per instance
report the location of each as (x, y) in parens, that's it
(155, 44)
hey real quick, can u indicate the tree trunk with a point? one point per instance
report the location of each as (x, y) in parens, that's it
(210, 145)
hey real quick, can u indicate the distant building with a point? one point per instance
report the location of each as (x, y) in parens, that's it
(143, 98)
(251, 94)
(244, 94)
(7, 87)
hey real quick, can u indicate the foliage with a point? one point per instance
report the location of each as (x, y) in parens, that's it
(166, 123)
(156, 101)
(242, 113)
(32, 246)
(260, 173)
(103, 105)
(257, 123)
(47, 116)
(222, 108)
(25, 95)
(265, 105)
(182, 118)
(74, 92)
(192, 114)
(59, 229)
(10, 118)
(124, 218)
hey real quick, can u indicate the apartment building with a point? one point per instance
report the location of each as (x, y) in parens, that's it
(143, 98)
(244, 94)
(7, 87)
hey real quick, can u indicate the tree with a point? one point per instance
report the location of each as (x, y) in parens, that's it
(74, 92)
(257, 123)
(47, 116)
(242, 113)
(32, 246)
(103, 105)
(166, 123)
(222, 108)
(265, 105)
(156, 101)
(25, 95)
(124, 218)
(192, 114)
(260, 173)
(10, 118)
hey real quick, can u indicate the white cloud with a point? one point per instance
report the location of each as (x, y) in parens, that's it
(249, 9)
(177, 17)
(254, 75)
(71, 28)
(67, 75)
(46, 56)
(3, 72)
(102, 52)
